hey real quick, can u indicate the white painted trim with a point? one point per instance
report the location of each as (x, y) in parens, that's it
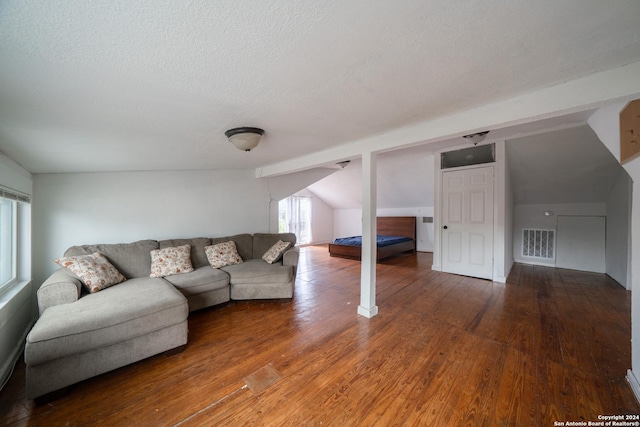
(630, 238)
(7, 368)
(635, 385)
(369, 244)
(578, 95)
(437, 212)
(499, 223)
(368, 312)
(320, 242)
(533, 261)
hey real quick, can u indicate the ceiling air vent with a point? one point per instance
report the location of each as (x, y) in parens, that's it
(538, 243)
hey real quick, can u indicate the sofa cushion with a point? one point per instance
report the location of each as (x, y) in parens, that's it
(200, 280)
(131, 309)
(257, 271)
(275, 252)
(173, 260)
(223, 254)
(263, 241)
(131, 259)
(198, 257)
(244, 244)
(94, 270)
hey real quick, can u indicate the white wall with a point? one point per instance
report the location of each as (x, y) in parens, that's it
(348, 222)
(633, 168)
(606, 123)
(73, 209)
(17, 305)
(618, 256)
(503, 216)
(532, 216)
(509, 228)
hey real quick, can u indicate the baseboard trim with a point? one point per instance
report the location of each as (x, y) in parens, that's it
(368, 312)
(9, 364)
(534, 262)
(635, 385)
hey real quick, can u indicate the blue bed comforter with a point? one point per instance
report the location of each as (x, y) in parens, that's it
(381, 241)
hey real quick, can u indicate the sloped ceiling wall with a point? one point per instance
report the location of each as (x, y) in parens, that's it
(565, 166)
(405, 179)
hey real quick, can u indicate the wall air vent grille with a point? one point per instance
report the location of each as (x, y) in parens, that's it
(538, 243)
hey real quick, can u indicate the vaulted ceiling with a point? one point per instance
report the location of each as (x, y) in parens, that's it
(153, 84)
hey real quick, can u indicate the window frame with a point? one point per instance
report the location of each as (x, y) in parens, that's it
(12, 245)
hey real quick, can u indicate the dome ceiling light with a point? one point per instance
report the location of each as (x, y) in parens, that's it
(245, 138)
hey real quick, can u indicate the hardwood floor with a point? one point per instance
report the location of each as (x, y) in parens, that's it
(444, 350)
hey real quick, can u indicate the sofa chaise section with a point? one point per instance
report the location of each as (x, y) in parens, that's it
(104, 331)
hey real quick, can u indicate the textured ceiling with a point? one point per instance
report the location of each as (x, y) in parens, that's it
(152, 85)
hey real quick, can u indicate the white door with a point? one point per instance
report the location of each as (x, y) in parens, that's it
(467, 222)
(581, 243)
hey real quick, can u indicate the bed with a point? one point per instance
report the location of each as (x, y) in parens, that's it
(401, 228)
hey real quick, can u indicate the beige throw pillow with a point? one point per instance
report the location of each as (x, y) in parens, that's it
(94, 270)
(275, 252)
(168, 261)
(223, 254)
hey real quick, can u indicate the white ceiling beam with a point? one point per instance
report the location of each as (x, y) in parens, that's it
(582, 94)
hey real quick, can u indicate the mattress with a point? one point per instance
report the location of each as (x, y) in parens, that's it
(381, 241)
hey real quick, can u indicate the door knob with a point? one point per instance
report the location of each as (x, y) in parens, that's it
(445, 227)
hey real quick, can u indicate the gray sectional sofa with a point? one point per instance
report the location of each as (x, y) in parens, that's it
(80, 335)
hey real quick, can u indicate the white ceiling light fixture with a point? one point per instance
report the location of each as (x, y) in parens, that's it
(476, 138)
(245, 138)
(343, 164)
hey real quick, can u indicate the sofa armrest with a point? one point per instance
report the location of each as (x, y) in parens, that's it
(60, 288)
(291, 256)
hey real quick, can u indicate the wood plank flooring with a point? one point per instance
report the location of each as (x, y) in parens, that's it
(444, 350)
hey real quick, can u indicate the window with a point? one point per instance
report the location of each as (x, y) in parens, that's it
(468, 156)
(14, 227)
(7, 241)
(294, 216)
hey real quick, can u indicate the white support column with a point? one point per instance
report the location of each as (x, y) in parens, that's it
(367, 307)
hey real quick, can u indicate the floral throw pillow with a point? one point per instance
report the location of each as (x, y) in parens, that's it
(223, 254)
(275, 252)
(168, 261)
(94, 270)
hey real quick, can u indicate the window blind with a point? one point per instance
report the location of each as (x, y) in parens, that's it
(7, 193)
